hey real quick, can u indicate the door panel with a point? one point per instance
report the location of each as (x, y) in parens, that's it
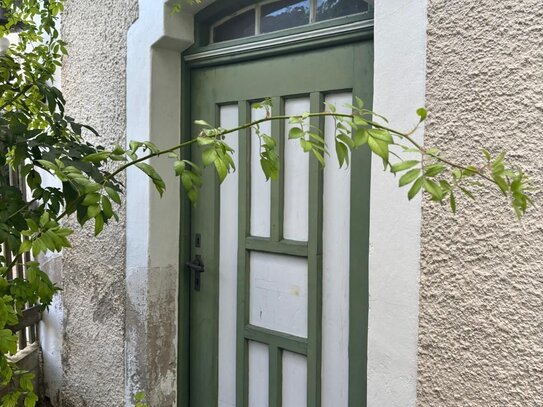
(296, 178)
(278, 293)
(260, 189)
(228, 265)
(270, 325)
(335, 284)
(258, 374)
(294, 380)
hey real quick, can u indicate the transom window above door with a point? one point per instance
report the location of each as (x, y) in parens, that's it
(271, 16)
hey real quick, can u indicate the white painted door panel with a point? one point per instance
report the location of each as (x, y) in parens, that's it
(260, 189)
(258, 374)
(228, 269)
(335, 309)
(278, 293)
(296, 211)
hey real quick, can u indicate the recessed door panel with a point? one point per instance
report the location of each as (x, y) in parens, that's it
(228, 267)
(278, 293)
(260, 188)
(296, 173)
(335, 285)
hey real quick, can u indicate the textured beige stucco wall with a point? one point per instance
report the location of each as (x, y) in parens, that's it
(94, 84)
(481, 311)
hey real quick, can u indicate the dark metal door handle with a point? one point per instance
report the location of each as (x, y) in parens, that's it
(197, 265)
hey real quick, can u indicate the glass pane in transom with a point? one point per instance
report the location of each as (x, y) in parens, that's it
(240, 26)
(328, 9)
(283, 14)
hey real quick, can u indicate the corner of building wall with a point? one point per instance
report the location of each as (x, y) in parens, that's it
(395, 230)
(155, 43)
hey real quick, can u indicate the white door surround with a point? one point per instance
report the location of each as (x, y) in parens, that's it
(155, 43)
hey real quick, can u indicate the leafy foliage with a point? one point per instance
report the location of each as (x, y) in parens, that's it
(38, 138)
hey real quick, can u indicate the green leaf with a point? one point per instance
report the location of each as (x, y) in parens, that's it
(346, 140)
(319, 157)
(98, 224)
(106, 207)
(91, 199)
(11, 399)
(360, 137)
(186, 180)
(97, 157)
(209, 156)
(404, 165)
(193, 196)
(93, 210)
(155, 177)
(25, 382)
(48, 165)
(342, 153)
(8, 342)
(433, 170)
(202, 123)
(114, 195)
(205, 141)
(409, 177)
(433, 189)
(31, 399)
(306, 145)
(452, 201)
(179, 167)
(467, 193)
(381, 134)
(379, 147)
(502, 183)
(422, 113)
(295, 133)
(359, 102)
(140, 396)
(26, 245)
(222, 170)
(359, 121)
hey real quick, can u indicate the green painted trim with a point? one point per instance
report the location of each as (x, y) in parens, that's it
(314, 353)
(244, 166)
(287, 247)
(204, 325)
(292, 343)
(183, 301)
(359, 245)
(223, 8)
(302, 46)
(275, 378)
(278, 186)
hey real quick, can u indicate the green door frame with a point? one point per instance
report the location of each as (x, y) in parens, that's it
(359, 230)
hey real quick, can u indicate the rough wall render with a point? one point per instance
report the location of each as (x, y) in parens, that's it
(481, 316)
(94, 83)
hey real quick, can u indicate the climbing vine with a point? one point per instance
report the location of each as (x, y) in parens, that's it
(37, 137)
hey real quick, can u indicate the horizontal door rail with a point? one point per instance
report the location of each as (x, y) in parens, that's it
(276, 339)
(288, 247)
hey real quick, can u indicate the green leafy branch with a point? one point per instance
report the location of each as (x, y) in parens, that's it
(430, 172)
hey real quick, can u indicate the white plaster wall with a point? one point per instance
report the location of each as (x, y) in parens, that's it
(155, 43)
(399, 89)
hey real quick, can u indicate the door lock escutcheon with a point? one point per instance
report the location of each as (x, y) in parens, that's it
(197, 265)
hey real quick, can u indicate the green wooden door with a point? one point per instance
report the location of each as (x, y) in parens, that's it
(280, 316)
